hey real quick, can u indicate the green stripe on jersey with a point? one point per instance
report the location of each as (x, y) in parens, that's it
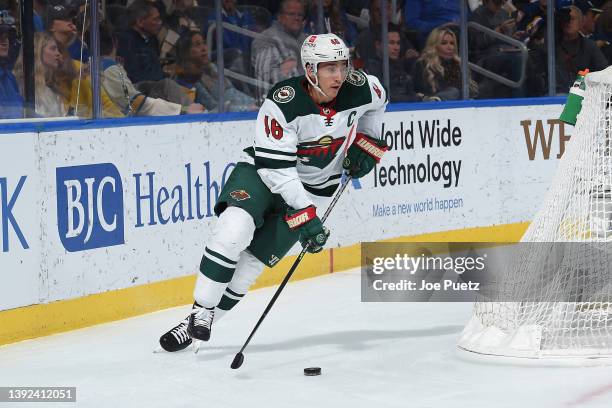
(332, 177)
(276, 152)
(266, 163)
(324, 192)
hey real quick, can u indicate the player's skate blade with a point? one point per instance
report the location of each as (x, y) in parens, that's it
(196, 346)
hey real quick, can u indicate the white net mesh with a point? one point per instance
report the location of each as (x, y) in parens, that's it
(574, 316)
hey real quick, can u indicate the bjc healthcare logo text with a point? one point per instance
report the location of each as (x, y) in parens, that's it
(89, 206)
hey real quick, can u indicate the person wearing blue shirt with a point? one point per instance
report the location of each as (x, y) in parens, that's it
(11, 102)
(230, 14)
(237, 46)
(425, 15)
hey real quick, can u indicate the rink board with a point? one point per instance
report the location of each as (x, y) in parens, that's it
(104, 223)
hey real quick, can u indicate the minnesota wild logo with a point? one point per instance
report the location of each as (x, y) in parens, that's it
(356, 78)
(320, 153)
(239, 195)
(284, 94)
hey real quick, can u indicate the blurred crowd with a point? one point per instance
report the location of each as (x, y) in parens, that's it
(159, 57)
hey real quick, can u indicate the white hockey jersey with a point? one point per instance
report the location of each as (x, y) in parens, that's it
(299, 146)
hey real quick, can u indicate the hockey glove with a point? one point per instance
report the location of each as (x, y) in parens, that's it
(363, 155)
(313, 235)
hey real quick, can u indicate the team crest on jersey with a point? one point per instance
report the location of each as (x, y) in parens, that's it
(356, 78)
(320, 153)
(284, 94)
(240, 195)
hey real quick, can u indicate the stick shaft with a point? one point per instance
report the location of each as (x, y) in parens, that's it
(294, 266)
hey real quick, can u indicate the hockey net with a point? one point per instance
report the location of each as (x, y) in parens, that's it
(572, 316)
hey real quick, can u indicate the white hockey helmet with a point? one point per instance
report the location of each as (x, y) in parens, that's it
(319, 48)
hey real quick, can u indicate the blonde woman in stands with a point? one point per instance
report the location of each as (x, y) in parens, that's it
(58, 89)
(47, 59)
(437, 73)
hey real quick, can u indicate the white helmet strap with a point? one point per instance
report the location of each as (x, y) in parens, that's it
(315, 84)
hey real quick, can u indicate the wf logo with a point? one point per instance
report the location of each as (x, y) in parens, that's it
(89, 206)
(544, 139)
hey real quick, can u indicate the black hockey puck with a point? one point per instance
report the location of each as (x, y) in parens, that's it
(312, 371)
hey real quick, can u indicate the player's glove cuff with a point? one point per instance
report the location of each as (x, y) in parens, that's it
(363, 155)
(375, 148)
(313, 235)
(296, 219)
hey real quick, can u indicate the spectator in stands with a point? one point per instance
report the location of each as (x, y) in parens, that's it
(533, 14)
(494, 54)
(182, 15)
(574, 52)
(116, 83)
(180, 19)
(425, 15)
(230, 14)
(590, 13)
(39, 11)
(138, 46)
(61, 89)
(74, 84)
(365, 47)
(236, 46)
(437, 73)
(335, 21)
(276, 55)
(604, 32)
(532, 21)
(47, 60)
(11, 102)
(61, 23)
(199, 78)
(491, 15)
(401, 88)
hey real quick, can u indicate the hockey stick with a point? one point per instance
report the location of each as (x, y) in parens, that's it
(239, 358)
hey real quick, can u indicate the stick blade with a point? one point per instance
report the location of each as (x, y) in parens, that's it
(238, 360)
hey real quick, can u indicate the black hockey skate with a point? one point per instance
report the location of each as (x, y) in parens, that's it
(200, 324)
(177, 339)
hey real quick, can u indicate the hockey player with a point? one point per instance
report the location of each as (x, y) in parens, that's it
(308, 130)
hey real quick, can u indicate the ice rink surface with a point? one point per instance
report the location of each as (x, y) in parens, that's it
(371, 354)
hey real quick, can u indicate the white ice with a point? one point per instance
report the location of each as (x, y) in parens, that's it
(371, 354)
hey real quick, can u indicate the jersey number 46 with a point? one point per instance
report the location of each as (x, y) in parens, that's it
(273, 128)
